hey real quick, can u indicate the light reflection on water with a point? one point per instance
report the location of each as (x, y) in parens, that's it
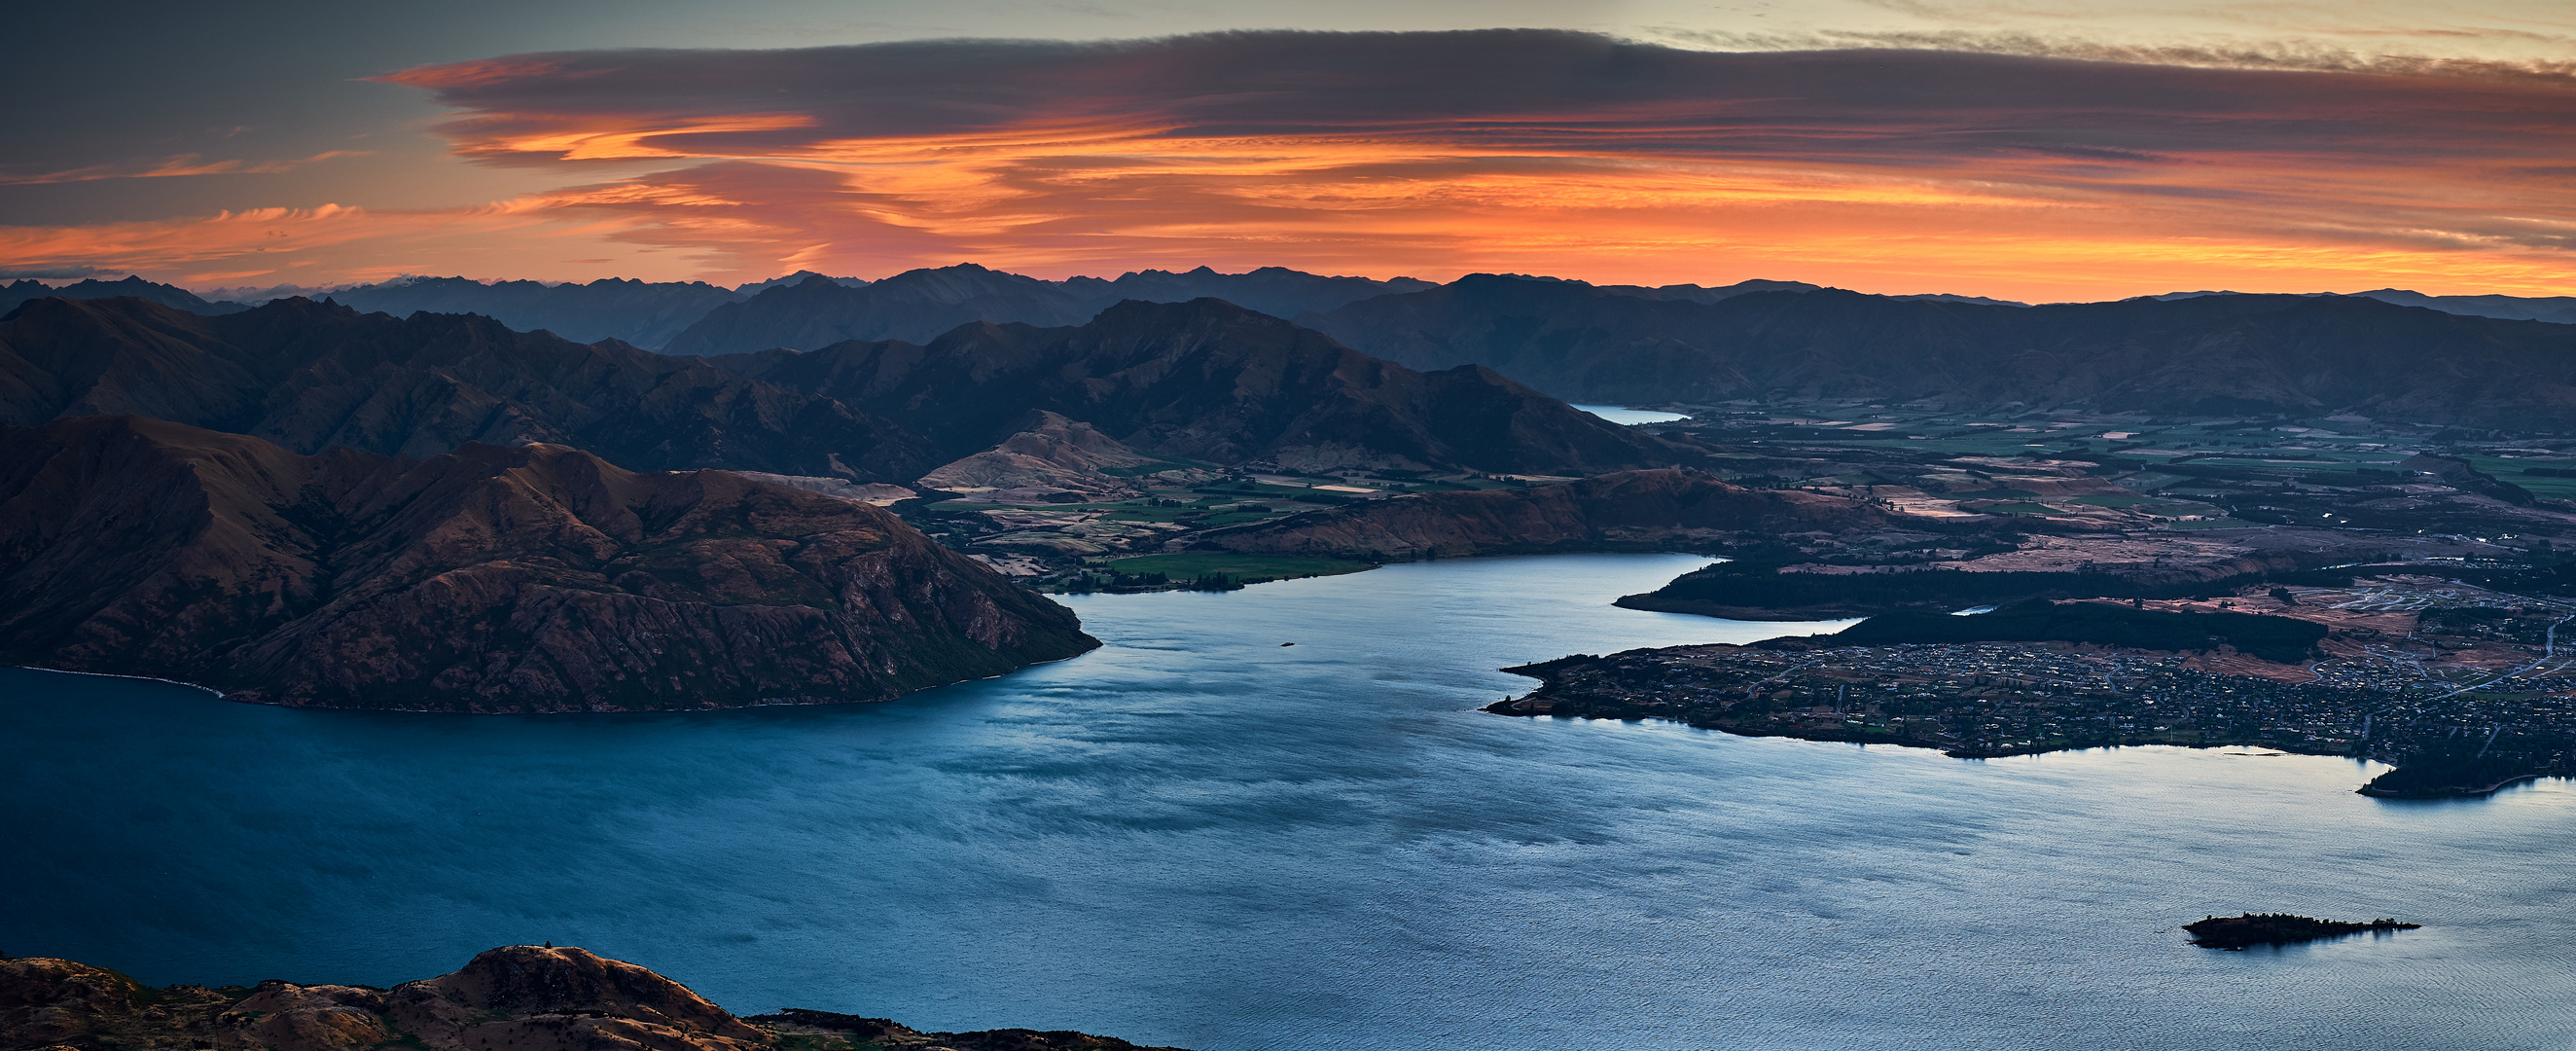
(1199, 837)
(1619, 414)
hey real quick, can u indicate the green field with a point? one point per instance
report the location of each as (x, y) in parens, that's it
(1245, 569)
(2510, 470)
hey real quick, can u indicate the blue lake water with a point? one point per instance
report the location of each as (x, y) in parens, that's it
(1617, 414)
(1198, 837)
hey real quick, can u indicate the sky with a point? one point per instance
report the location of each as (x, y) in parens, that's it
(2023, 150)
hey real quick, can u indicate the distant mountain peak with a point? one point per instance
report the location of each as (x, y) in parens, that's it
(130, 286)
(921, 305)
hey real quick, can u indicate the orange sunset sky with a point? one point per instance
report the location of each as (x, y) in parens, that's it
(2081, 152)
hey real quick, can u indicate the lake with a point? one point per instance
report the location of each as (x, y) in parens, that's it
(1619, 414)
(1197, 836)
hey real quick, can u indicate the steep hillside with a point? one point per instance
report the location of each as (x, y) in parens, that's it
(1638, 510)
(535, 578)
(1051, 455)
(311, 376)
(1209, 381)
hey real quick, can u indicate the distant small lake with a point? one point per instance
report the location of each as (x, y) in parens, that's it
(1199, 837)
(1615, 414)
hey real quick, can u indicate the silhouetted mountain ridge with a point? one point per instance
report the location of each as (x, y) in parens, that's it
(1212, 381)
(312, 376)
(2215, 354)
(17, 292)
(646, 314)
(917, 306)
(1205, 380)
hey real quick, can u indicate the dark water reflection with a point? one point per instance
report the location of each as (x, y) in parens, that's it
(1199, 837)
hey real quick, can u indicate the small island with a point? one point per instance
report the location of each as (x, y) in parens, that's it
(2235, 933)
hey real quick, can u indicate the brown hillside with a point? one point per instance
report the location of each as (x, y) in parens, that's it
(535, 578)
(1626, 509)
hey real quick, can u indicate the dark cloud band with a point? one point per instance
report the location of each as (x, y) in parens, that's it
(1501, 89)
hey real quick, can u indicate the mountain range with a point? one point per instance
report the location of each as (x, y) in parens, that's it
(1586, 342)
(1209, 381)
(804, 310)
(918, 305)
(2202, 355)
(646, 314)
(530, 579)
(303, 504)
(2558, 309)
(1204, 380)
(21, 291)
(312, 376)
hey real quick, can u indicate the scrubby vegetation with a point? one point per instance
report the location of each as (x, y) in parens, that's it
(1759, 585)
(2278, 928)
(2282, 639)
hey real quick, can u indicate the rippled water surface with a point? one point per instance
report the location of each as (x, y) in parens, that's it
(1621, 414)
(1197, 836)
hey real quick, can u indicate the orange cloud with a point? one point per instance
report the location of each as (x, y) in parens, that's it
(1442, 153)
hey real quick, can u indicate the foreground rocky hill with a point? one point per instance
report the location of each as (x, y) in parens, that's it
(519, 998)
(535, 578)
(1625, 510)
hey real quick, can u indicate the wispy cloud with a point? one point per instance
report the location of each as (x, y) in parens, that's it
(171, 167)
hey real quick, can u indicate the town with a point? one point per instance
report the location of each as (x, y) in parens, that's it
(2445, 680)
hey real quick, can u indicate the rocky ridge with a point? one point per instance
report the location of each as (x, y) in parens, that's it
(520, 997)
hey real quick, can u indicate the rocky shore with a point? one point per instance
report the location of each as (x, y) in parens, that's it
(515, 998)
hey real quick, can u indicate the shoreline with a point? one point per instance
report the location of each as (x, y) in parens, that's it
(219, 694)
(763, 704)
(1829, 736)
(2455, 793)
